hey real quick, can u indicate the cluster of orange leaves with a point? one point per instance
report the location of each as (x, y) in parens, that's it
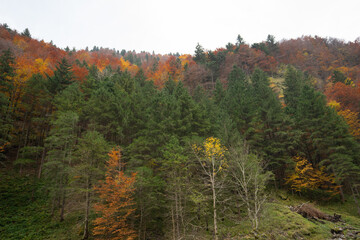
(350, 117)
(101, 59)
(348, 96)
(168, 67)
(2, 148)
(306, 177)
(34, 56)
(117, 203)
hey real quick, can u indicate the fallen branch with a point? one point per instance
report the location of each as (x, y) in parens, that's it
(310, 212)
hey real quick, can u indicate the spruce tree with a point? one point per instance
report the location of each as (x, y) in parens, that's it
(268, 131)
(89, 165)
(62, 77)
(200, 56)
(294, 81)
(61, 145)
(239, 100)
(26, 33)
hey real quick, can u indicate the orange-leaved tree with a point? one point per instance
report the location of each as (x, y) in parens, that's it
(350, 117)
(117, 204)
(306, 177)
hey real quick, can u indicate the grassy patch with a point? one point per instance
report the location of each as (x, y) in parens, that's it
(278, 222)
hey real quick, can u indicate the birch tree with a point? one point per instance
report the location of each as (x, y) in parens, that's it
(211, 157)
(249, 178)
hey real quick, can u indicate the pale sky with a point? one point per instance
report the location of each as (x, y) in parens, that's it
(167, 26)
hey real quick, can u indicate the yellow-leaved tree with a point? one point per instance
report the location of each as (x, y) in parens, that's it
(211, 156)
(306, 177)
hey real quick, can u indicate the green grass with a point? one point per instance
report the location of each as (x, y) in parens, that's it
(278, 222)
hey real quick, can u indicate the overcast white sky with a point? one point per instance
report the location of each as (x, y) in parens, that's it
(177, 26)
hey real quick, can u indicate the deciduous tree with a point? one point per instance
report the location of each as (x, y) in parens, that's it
(116, 205)
(249, 178)
(306, 177)
(211, 157)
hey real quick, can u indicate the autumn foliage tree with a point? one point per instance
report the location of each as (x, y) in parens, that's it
(306, 177)
(350, 117)
(348, 96)
(211, 157)
(116, 205)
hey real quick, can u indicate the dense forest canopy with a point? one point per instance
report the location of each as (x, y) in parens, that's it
(151, 146)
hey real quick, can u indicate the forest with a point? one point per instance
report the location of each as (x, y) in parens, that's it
(255, 141)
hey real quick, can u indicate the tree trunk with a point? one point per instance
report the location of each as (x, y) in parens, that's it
(212, 180)
(214, 209)
(341, 194)
(53, 206)
(342, 197)
(42, 162)
(87, 209)
(62, 210)
(20, 140)
(355, 199)
(239, 209)
(141, 222)
(173, 223)
(177, 221)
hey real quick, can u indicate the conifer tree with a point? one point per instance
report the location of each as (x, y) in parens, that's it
(26, 33)
(239, 40)
(175, 170)
(6, 93)
(200, 56)
(268, 131)
(239, 101)
(294, 81)
(62, 77)
(88, 167)
(61, 145)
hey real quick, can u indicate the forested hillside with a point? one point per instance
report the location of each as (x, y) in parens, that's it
(115, 144)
